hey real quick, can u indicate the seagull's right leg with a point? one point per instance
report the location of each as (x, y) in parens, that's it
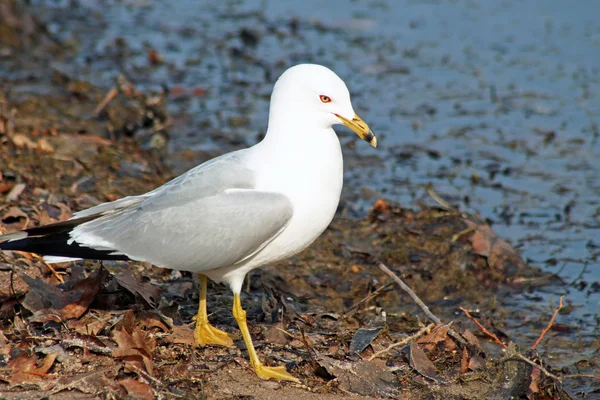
(205, 333)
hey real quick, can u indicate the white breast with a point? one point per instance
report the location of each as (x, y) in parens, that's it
(312, 180)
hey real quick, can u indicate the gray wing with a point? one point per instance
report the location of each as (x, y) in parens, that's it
(207, 218)
(210, 178)
(199, 235)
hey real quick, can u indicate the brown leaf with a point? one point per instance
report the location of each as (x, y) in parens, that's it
(476, 362)
(420, 362)
(500, 254)
(69, 147)
(181, 335)
(51, 302)
(535, 380)
(12, 286)
(134, 347)
(14, 219)
(5, 345)
(6, 186)
(136, 389)
(366, 378)
(464, 361)
(15, 192)
(93, 382)
(24, 370)
(138, 287)
(90, 325)
(20, 140)
(432, 340)
(472, 339)
(151, 319)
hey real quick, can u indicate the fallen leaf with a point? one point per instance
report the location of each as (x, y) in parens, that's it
(48, 302)
(437, 336)
(93, 382)
(472, 339)
(6, 187)
(90, 324)
(181, 335)
(14, 219)
(364, 336)
(23, 370)
(151, 319)
(363, 377)
(499, 253)
(138, 287)
(464, 361)
(69, 146)
(20, 140)
(135, 348)
(15, 192)
(420, 362)
(136, 389)
(12, 286)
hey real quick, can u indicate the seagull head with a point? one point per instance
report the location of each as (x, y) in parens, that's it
(311, 91)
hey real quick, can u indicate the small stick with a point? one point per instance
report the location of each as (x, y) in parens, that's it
(490, 334)
(443, 203)
(521, 357)
(403, 342)
(112, 93)
(419, 302)
(458, 235)
(560, 304)
(410, 292)
(370, 296)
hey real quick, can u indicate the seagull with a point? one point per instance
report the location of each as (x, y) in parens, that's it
(232, 214)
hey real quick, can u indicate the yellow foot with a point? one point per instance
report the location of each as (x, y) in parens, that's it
(278, 373)
(204, 334)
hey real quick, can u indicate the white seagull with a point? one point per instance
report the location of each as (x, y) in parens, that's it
(232, 214)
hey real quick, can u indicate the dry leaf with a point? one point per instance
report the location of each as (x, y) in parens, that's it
(138, 287)
(500, 254)
(137, 390)
(420, 362)
(181, 335)
(14, 219)
(51, 302)
(24, 370)
(135, 348)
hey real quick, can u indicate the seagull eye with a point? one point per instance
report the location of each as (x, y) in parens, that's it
(325, 99)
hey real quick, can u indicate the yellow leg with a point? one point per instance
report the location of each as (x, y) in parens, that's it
(262, 371)
(205, 333)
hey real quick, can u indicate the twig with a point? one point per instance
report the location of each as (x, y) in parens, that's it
(521, 357)
(419, 302)
(458, 235)
(490, 334)
(574, 376)
(403, 342)
(410, 292)
(370, 296)
(112, 93)
(443, 203)
(560, 304)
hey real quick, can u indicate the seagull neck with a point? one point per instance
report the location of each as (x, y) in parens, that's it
(293, 132)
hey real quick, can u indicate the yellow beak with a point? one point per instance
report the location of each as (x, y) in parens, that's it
(361, 128)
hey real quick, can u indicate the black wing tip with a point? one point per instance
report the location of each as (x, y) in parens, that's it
(59, 245)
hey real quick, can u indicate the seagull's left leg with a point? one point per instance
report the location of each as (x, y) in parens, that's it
(205, 333)
(262, 371)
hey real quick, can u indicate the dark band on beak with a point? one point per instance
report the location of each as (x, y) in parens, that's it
(361, 128)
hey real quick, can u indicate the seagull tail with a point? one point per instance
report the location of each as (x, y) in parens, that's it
(54, 241)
